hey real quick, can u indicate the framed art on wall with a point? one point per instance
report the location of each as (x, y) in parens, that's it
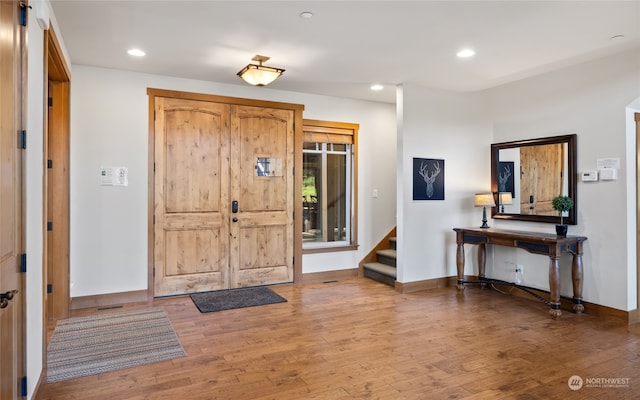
(505, 177)
(428, 179)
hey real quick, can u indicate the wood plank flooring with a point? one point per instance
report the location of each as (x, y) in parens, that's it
(359, 339)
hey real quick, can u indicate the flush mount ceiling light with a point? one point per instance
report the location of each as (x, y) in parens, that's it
(136, 52)
(259, 75)
(376, 87)
(466, 53)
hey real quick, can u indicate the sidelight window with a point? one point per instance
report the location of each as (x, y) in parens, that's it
(328, 186)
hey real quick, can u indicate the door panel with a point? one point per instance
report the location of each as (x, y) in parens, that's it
(191, 196)
(57, 209)
(262, 181)
(12, 310)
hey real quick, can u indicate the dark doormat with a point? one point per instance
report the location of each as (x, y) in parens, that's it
(235, 298)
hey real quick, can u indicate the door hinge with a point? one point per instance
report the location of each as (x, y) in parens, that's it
(49, 164)
(23, 386)
(23, 262)
(49, 288)
(50, 101)
(22, 139)
(23, 13)
(49, 226)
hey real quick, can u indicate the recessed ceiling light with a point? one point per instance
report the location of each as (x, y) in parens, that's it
(466, 53)
(377, 87)
(136, 53)
(306, 15)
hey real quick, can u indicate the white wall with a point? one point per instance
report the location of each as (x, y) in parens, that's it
(441, 125)
(33, 192)
(590, 100)
(632, 226)
(109, 127)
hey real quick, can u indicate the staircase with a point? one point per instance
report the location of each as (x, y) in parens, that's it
(383, 269)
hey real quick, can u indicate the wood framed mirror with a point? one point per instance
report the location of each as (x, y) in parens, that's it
(533, 172)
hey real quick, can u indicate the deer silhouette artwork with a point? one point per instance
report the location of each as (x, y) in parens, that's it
(503, 178)
(429, 179)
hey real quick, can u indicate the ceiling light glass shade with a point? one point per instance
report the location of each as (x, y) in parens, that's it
(259, 75)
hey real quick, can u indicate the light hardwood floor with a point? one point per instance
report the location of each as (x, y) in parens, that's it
(359, 339)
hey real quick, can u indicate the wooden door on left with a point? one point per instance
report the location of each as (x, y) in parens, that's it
(191, 227)
(11, 218)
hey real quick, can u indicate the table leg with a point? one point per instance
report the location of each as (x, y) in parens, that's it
(576, 275)
(482, 261)
(460, 265)
(554, 286)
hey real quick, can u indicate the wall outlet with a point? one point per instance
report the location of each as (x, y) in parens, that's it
(519, 274)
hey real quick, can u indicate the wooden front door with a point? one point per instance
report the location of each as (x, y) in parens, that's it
(220, 221)
(11, 285)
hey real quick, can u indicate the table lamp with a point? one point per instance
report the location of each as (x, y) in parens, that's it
(484, 200)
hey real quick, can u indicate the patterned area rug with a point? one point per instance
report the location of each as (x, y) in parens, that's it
(90, 345)
(235, 298)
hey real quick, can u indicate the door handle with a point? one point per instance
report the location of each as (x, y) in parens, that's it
(5, 297)
(235, 219)
(234, 206)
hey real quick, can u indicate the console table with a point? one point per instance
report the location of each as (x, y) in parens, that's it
(538, 243)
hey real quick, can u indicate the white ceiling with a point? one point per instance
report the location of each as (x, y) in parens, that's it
(348, 45)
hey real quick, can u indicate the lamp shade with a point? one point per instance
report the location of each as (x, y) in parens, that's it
(259, 75)
(505, 198)
(484, 200)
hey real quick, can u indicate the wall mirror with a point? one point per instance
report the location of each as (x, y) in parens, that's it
(527, 174)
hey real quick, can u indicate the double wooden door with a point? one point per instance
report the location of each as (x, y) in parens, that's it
(223, 196)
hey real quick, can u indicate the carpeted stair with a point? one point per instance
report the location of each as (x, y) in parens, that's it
(384, 268)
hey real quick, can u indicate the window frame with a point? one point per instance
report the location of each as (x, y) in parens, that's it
(338, 133)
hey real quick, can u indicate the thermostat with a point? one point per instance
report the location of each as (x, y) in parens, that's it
(609, 174)
(589, 176)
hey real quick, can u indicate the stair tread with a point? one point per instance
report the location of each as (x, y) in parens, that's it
(391, 253)
(381, 268)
